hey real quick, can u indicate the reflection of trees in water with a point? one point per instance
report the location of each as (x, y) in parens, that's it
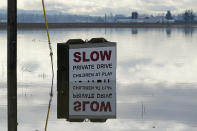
(188, 31)
(168, 32)
(134, 31)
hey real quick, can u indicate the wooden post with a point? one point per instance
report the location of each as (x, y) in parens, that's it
(12, 64)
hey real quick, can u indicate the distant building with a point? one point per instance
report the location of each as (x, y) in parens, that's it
(129, 20)
(134, 15)
(157, 19)
(119, 16)
(145, 20)
(123, 20)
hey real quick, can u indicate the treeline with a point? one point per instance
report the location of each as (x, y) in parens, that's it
(61, 18)
(188, 16)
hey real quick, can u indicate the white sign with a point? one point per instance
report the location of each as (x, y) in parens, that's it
(92, 64)
(92, 82)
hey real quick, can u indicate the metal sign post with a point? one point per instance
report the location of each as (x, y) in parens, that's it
(12, 64)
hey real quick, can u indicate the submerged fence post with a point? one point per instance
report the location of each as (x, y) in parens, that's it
(12, 64)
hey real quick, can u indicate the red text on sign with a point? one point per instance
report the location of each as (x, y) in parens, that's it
(94, 106)
(93, 56)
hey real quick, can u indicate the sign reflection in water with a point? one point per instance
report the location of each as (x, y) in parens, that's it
(92, 100)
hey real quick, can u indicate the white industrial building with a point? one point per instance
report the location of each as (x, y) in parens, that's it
(157, 19)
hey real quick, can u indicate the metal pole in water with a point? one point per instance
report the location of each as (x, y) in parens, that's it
(12, 64)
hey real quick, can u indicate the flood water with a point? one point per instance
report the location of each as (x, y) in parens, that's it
(156, 79)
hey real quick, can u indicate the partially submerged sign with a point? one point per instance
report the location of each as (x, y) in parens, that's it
(87, 80)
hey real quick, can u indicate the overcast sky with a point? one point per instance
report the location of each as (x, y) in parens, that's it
(100, 7)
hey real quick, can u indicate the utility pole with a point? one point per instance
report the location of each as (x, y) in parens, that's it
(12, 64)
